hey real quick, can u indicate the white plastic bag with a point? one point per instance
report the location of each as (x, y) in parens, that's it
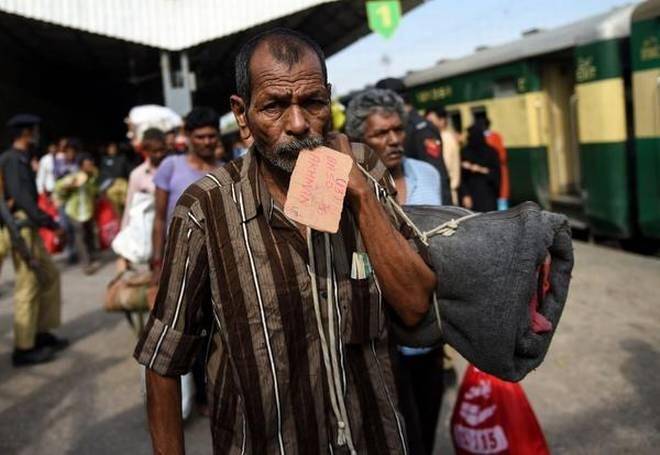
(141, 118)
(134, 241)
(187, 395)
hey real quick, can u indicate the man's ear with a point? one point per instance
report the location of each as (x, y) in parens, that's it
(239, 109)
(329, 88)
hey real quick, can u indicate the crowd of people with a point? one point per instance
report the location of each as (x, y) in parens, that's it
(233, 258)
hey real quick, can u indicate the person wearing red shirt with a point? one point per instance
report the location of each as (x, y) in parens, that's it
(495, 140)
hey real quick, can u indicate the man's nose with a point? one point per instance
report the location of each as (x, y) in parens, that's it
(393, 138)
(297, 124)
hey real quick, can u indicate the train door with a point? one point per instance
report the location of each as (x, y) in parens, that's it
(563, 158)
(479, 114)
(455, 120)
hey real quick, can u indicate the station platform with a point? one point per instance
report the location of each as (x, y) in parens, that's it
(596, 393)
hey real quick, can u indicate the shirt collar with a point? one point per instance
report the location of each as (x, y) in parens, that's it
(252, 193)
(256, 196)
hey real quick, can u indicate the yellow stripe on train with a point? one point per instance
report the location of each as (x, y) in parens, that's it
(646, 92)
(601, 111)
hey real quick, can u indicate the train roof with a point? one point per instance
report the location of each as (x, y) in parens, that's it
(613, 24)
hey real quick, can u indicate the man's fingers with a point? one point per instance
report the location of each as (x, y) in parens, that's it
(339, 142)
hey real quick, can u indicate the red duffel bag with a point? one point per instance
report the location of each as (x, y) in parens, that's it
(107, 222)
(51, 241)
(492, 416)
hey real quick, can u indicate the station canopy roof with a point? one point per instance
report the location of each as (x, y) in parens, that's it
(180, 24)
(120, 40)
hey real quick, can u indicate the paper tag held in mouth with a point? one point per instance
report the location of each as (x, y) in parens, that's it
(317, 188)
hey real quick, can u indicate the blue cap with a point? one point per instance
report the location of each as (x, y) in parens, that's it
(23, 120)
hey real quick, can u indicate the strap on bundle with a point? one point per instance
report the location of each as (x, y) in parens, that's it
(445, 229)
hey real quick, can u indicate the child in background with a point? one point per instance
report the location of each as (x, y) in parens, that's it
(77, 192)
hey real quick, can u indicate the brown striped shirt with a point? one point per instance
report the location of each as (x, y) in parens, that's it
(284, 375)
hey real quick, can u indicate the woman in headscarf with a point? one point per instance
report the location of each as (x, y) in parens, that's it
(480, 178)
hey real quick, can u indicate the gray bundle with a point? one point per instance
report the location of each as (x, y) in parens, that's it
(487, 266)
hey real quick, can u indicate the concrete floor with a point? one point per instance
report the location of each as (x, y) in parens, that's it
(597, 392)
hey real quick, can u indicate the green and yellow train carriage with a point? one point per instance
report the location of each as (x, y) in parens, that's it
(578, 107)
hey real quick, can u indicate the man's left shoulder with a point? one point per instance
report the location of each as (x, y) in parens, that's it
(422, 167)
(8, 155)
(369, 160)
(139, 169)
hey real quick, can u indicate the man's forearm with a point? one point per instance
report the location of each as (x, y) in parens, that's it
(406, 281)
(158, 240)
(164, 410)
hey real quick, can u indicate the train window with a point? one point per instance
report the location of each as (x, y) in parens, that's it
(479, 115)
(505, 86)
(455, 120)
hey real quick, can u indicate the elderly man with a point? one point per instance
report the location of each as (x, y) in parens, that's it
(293, 320)
(423, 140)
(377, 118)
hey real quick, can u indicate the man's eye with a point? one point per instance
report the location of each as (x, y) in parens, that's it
(316, 103)
(271, 107)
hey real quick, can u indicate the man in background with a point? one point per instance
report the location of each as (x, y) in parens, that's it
(153, 145)
(423, 140)
(46, 172)
(113, 175)
(451, 149)
(174, 175)
(65, 165)
(78, 192)
(37, 298)
(377, 118)
(141, 180)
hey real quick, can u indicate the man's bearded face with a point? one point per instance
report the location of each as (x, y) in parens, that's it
(290, 106)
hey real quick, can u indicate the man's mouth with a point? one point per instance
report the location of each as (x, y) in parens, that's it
(393, 155)
(296, 145)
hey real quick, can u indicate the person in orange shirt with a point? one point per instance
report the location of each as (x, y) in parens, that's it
(495, 140)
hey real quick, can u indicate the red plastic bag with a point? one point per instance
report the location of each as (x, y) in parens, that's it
(51, 241)
(492, 416)
(107, 222)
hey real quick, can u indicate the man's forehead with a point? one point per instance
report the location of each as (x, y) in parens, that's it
(267, 70)
(384, 117)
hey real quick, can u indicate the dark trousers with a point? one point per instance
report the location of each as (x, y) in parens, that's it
(67, 225)
(420, 385)
(85, 241)
(199, 377)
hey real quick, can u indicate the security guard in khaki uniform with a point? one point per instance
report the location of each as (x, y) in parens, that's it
(37, 297)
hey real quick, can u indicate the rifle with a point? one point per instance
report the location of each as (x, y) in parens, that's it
(18, 243)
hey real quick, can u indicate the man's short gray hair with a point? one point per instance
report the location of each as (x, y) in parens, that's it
(371, 101)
